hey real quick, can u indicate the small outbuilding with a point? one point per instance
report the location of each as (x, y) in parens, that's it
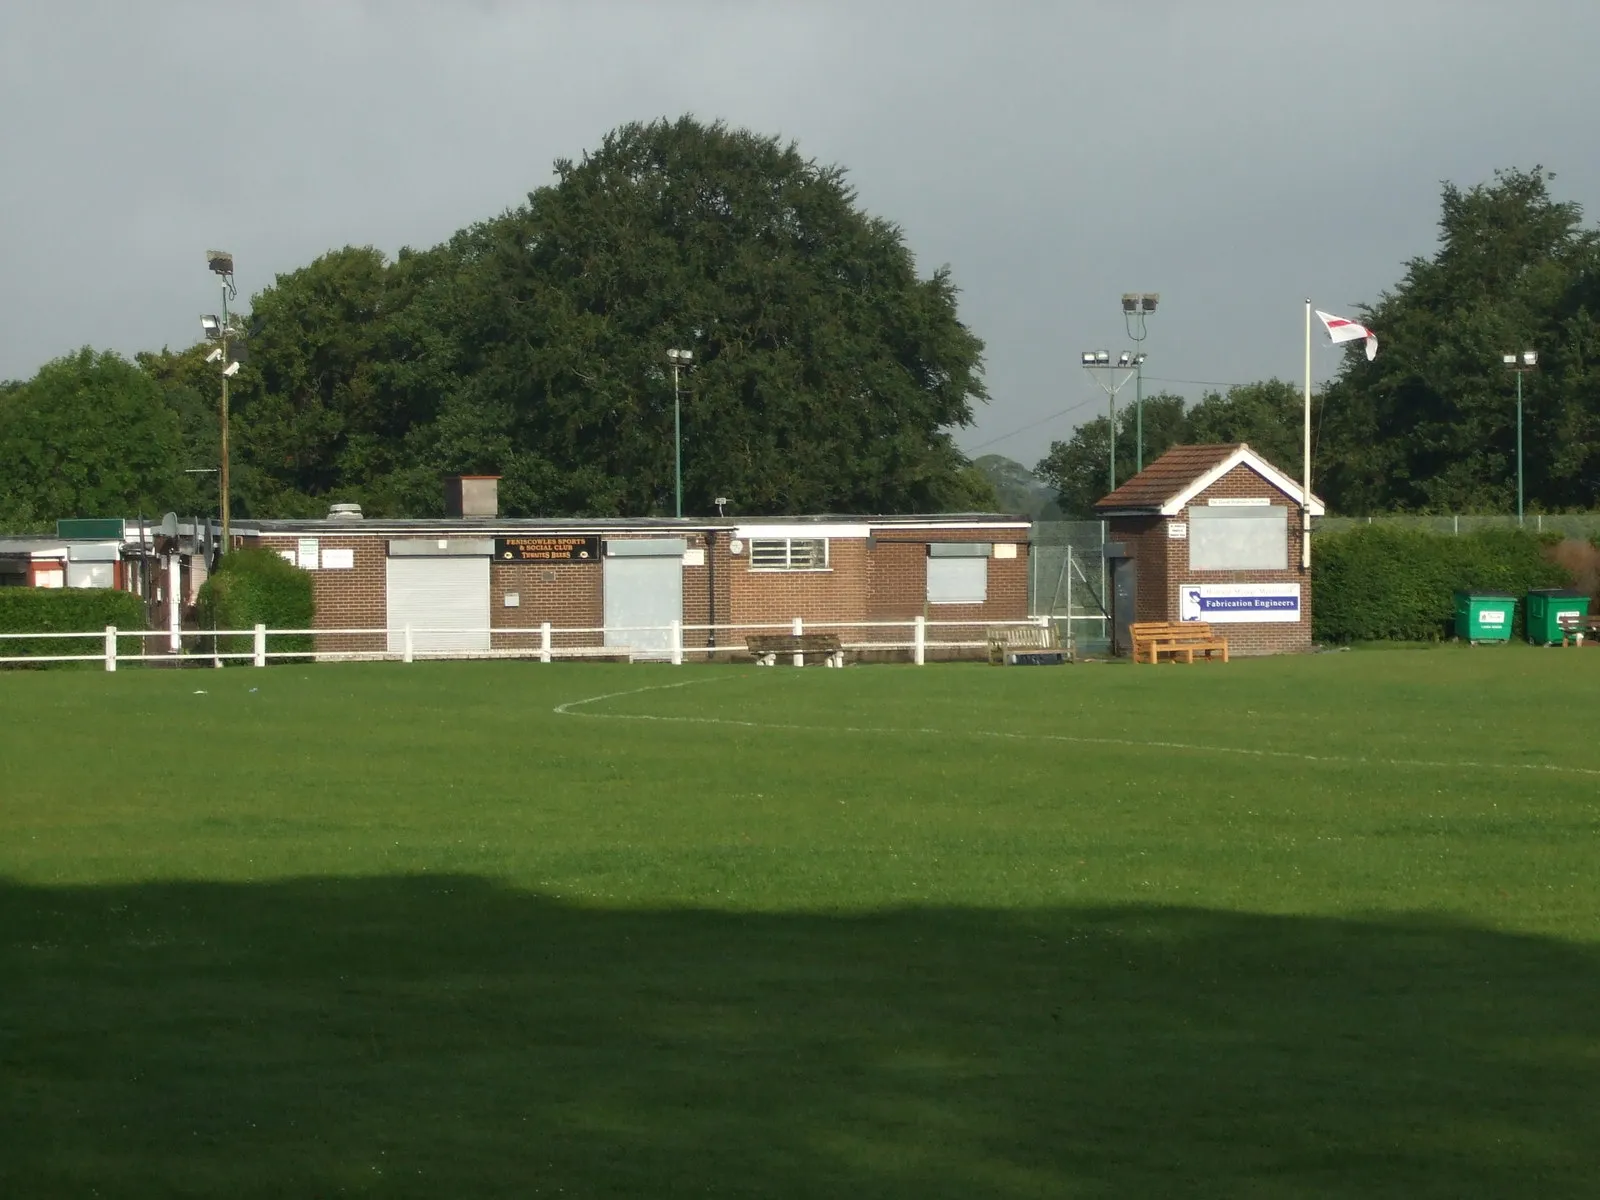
(1211, 534)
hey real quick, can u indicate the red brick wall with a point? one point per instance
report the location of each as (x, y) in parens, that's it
(1164, 568)
(567, 594)
(347, 599)
(886, 582)
(1145, 539)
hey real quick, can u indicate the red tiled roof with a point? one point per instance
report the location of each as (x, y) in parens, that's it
(1167, 477)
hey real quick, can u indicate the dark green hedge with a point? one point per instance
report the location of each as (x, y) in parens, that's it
(1380, 583)
(67, 610)
(257, 587)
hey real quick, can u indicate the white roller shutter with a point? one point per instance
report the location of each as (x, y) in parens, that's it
(643, 593)
(958, 580)
(444, 600)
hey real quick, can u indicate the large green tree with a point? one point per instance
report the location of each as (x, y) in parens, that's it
(1079, 467)
(827, 372)
(1269, 415)
(1431, 424)
(346, 372)
(90, 435)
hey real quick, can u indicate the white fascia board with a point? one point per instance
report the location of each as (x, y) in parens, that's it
(802, 529)
(925, 525)
(1246, 457)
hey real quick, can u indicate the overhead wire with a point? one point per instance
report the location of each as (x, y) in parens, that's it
(1071, 408)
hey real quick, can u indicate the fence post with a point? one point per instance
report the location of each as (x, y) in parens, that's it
(799, 630)
(111, 647)
(260, 659)
(544, 641)
(408, 654)
(919, 640)
(174, 604)
(677, 643)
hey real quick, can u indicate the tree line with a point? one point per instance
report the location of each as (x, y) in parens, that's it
(1429, 426)
(829, 375)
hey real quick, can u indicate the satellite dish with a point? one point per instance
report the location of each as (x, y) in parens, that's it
(169, 525)
(735, 546)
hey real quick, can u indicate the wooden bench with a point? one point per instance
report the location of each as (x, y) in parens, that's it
(1574, 629)
(800, 647)
(1025, 645)
(1177, 640)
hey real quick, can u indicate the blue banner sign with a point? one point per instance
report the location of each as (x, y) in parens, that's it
(1238, 603)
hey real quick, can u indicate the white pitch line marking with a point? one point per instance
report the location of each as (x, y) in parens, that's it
(569, 710)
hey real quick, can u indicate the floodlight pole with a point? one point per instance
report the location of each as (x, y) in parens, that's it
(220, 262)
(1519, 447)
(677, 441)
(1528, 360)
(1111, 390)
(678, 359)
(227, 540)
(1135, 307)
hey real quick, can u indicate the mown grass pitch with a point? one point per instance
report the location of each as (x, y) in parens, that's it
(1300, 927)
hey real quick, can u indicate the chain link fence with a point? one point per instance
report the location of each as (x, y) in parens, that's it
(1067, 582)
(1575, 525)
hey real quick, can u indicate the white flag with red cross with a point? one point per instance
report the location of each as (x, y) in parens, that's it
(1341, 329)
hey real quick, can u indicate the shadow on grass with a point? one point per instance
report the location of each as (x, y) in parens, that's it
(447, 1037)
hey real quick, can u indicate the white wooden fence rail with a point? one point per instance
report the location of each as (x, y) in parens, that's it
(920, 635)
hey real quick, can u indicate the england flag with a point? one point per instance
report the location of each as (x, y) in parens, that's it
(1341, 329)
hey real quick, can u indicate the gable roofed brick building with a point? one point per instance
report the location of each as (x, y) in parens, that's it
(1212, 533)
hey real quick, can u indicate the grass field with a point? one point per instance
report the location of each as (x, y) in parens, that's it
(1311, 927)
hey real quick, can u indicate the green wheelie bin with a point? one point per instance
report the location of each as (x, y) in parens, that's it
(1548, 607)
(1484, 616)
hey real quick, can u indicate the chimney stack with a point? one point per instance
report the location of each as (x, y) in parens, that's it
(472, 496)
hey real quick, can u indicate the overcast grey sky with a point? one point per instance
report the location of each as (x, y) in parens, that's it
(1234, 156)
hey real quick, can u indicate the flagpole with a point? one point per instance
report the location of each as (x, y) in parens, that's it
(1305, 496)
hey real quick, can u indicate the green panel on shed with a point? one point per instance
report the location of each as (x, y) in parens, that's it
(91, 527)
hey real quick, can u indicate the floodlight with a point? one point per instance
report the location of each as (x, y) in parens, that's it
(1138, 360)
(211, 326)
(1102, 359)
(681, 356)
(220, 261)
(1088, 358)
(1124, 359)
(1130, 301)
(1149, 301)
(1510, 360)
(1530, 358)
(215, 355)
(230, 370)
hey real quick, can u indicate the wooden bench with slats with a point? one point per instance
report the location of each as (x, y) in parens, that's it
(1575, 629)
(1178, 641)
(1025, 645)
(809, 647)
